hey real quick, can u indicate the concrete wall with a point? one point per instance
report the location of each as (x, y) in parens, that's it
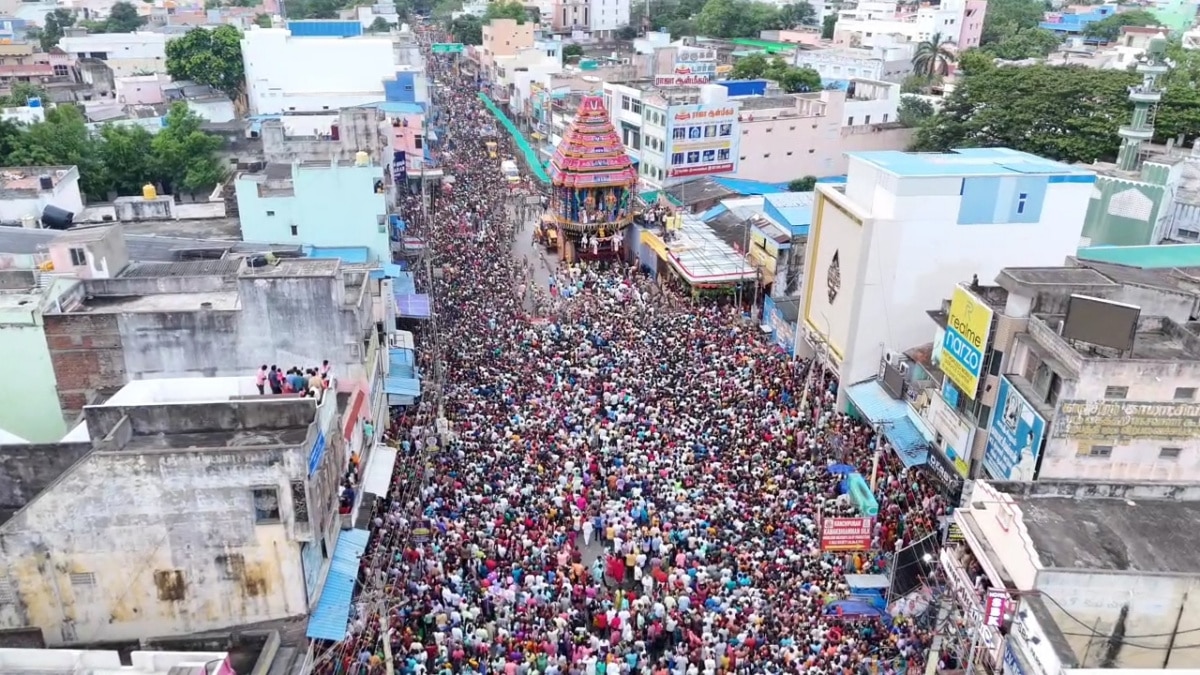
(30, 408)
(26, 470)
(16, 204)
(364, 129)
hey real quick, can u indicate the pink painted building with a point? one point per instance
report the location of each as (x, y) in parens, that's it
(408, 134)
(140, 89)
(972, 24)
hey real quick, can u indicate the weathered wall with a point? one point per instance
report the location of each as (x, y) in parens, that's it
(165, 345)
(131, 545)
(87, 355)
(26, 470)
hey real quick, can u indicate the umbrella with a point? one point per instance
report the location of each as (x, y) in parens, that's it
(840, 469)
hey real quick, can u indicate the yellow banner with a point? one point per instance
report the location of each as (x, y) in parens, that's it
(655, 244)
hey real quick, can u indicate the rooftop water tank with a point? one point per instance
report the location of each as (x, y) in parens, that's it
(362, 159)
(149, 192)
(55, 218)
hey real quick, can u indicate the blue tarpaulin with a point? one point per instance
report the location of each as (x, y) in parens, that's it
(402, 379)
(403, 285)
(347, 254)
(891, 415)
(412, 306)
(328, 620)
(389, 271)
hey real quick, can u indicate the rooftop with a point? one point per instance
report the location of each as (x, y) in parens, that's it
(1056, 276)
(217, 301)
(1157, 339)
(767, 102)
(141, 247)
(27, 178)
(182, 390)
(1113, 534)
(966, 162)
(1145, 257)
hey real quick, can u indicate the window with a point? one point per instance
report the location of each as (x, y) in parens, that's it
(61, 71)
(418, 142)
(266, 505)
(1185, 393)
(636, 106)
(849, 123)
(626, 104)
(885, 116)
(997, 358)
(792, 128)
(83, 579)
(985, 416)
(270, 213)
(295, 230)
(1116, 392)
(1096, 451)
(789, 153)
(1189, 234)
(78, 257)
(867, 120)
(1022, 198)
(766, 155)
(8, 594)
(769, 129)
(231, 566)
(1169, 453)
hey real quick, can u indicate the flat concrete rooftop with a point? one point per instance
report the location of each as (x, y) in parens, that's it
(220, 439)
(1113, 534)
(1056, 276)
(219, 301)
(1156, 339)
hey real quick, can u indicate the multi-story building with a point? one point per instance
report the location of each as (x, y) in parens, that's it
(1074, 19)
(320, 203)
(568, 16)
(503, 39)
(299, 76)
(607, 17)
(190, 505)
(966, 212)
(886, 21)
(890, 63)
(125, 54)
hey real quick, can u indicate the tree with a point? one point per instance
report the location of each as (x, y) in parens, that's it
(212, 57)
(123, 18)
(185, 157)
(794, 80)
(56, 24)
(467, 29)
(379, 25)
(1026, 43)
(627, 33)
(62, 139)
(751, 67)
(313, 9)
(1067, 113)
(933, 57)
(828, 26)
(1108, 28)
(805, 184)
(736, 18)
(798, 14)
(127, 153)
(506, 9)
(1005, 18)
(263, 20)
(572, 51)
(914, 110)
(975, 60)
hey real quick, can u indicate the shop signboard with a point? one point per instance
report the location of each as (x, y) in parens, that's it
(965, 340)
(702, 139)
(995, 605)
(1015, 436)
(846, 534)
(1126, 421)
(693, 66)
(447, 48)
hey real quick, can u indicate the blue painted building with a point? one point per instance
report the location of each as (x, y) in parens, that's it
(1075, 23)
(319, 204)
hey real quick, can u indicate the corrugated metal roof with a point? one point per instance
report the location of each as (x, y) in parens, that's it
(891, 414)
(197, 268)
(908, 442)
(414, 306)
(329, 619)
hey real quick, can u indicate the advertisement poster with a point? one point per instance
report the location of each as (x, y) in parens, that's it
(965, 341)
(1015, 438)
(693, 67)
(846, 534)
(702, 139)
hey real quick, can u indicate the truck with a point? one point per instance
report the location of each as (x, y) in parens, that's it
(509, 168)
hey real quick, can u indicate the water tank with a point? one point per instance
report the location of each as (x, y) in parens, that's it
(29, 222)
(55, 218)
(362, 159)
(149, 192)
(45, 182)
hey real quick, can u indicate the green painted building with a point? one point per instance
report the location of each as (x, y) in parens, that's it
(1128, 211)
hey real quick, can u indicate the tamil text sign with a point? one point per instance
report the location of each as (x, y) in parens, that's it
(702, 140)
(447, 48)
(846, 534)
(1015, 436)
(995, 606)
(693, 67)
(1127, 420)
(965, 340)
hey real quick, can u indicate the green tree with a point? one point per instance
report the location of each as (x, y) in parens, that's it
(1068, 113)
(1026, 43)
(19, 94)
(212, 57)
(1108, 28)
(1005, 18)
(627, 33)
(262, 20)
(914, 110)
(794, 80)
(314, 9)
(379, 25)
(506, 9)
(126, 151)
(933, 57)
(828, 26)
(798, 14)
(56, 24)
(123, 18)
(975, 60)
(736, 18)
(63, 139)
(467, 29)
(805, 184)
(572, 51)
(750, 67)
(185, 157)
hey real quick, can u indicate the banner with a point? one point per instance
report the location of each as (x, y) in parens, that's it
(399, 166)
(1015, 436)
(702, 139)
(968, 327)
(846, 534)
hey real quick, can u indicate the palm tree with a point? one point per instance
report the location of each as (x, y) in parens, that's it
(933, 57)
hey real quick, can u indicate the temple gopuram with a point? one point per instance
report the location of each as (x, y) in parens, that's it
(593, 185)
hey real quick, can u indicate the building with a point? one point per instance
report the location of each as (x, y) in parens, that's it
(1076, 576)
(187, 511)
(962, 213)
(26, 192)
(890, 63)
(125, 54)
(146, 321)
(358, 130)
(570, 16)
(20, 63)
(886, 22)
(319, 203)
(607, 17)
(290, 74)
(502, 39)
(1074, 19)
(211, 105)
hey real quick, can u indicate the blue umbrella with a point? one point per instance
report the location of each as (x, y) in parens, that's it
(840, 469)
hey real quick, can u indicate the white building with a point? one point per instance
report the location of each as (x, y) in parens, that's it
(888, 21)
(885, 247)
(26, 191)
(608, 16)
(98, 662)
(125, 53)
(884, 61)
(288, 74)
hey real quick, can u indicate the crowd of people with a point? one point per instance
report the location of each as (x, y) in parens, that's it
(628, 481)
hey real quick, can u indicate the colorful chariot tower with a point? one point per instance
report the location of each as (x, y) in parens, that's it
(593, 185)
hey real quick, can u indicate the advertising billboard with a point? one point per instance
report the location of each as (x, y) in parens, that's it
(693, 66)
(702, 139)
(1015, 437)
(1127, 420)
(965, 340)
(846, 534)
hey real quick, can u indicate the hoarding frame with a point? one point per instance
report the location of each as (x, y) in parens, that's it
(847, 533)
(1017, 429)
(965, 340)
(702, 128)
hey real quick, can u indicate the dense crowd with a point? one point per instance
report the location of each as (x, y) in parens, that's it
(630, 481)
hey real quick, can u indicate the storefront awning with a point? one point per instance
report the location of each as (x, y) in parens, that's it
(328, 621)
(908, 442)
(891, 416)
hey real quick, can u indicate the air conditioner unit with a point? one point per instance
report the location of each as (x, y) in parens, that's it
(903, 368)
